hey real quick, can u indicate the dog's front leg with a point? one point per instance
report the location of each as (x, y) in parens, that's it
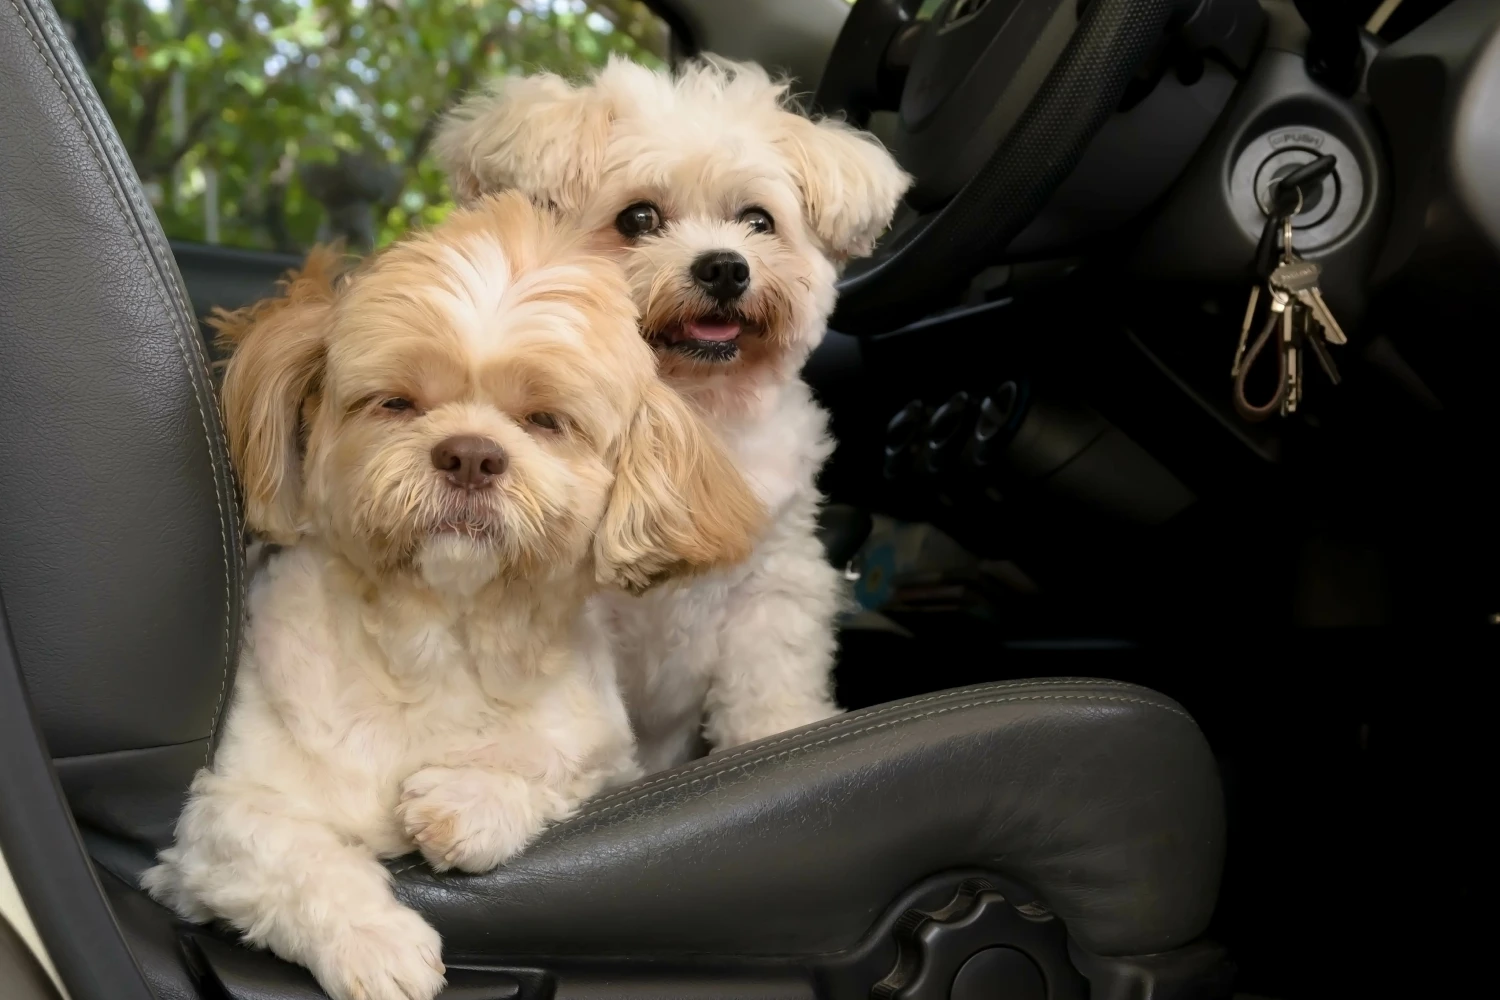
(297, 887)
(776, 654)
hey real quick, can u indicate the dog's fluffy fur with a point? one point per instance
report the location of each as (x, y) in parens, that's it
(422, 669)
(746, 652)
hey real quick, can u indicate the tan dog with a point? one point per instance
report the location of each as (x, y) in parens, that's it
(457, 443)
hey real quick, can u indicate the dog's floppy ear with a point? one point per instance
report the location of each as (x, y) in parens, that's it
(850, 184)
(538, 134)
(276, 350)
(678, 506)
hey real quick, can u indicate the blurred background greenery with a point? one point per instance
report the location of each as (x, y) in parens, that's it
(273, 124)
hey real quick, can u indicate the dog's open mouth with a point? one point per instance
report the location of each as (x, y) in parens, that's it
(711, 337)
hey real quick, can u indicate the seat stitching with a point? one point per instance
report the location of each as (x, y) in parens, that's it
(854, 719)
(110, 173)
(596, 813)
(837, 737)
(212, 430)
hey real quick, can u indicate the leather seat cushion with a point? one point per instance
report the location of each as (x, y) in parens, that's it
(1101, 797)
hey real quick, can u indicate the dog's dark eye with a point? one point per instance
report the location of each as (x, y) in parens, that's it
(398, 404)
(759, 220)
(640, 219)
(546, 421)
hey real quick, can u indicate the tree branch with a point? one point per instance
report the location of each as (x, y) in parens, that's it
(145, 127)
(190, 136)
(88, 31)
(149, 167)
(274, 214)
(468, 75)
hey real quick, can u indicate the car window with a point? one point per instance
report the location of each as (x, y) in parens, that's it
(273, 124)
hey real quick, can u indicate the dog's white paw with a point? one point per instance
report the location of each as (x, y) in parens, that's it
(392, 955)
(471, 819)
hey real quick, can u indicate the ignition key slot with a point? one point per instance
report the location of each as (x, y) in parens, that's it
(1329, 211)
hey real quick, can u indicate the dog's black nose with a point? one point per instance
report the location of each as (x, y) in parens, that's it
(723, 274)
(469, 461)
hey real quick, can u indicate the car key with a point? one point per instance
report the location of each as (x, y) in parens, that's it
(1285, 204)
(1299, 278)
(1280, 274)
(1289, 332)
(1293, 367)
(1303, 281)
(1325, 359)
(1305, 176)
(1293, 277)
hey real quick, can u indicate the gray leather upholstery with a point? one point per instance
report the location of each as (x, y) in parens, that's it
(120, 570)
(1101, 797)
(119, 540)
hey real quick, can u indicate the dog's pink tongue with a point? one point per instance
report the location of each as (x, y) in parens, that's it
(708, 330)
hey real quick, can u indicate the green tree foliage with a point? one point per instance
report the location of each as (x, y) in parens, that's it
(280, 106)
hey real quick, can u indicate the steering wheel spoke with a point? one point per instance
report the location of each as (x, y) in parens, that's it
(1000, 101)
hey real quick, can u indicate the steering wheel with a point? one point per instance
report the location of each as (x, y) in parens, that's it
(998, 101)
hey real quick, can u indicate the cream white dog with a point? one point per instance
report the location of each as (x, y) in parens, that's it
(732, 214)
(457, 443)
